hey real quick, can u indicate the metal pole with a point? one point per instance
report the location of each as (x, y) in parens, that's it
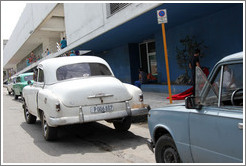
(166, 59)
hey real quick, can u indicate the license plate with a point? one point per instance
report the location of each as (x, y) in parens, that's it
(102, 108)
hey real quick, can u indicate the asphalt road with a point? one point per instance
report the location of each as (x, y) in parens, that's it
(96, 142)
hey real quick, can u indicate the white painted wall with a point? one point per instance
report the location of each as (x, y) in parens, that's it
(85, 21)
(32, 16)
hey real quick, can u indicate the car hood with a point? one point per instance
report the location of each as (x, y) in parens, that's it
(90, 91)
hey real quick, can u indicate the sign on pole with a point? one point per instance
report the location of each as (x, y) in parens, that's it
(162, 19)
(162, 16)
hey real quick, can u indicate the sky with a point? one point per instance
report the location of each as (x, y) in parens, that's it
(10, 14)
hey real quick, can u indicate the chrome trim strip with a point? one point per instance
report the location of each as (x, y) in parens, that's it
(100, 95)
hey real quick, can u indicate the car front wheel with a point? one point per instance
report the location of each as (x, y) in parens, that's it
(166, 151)
(123, 125)
(49, 133)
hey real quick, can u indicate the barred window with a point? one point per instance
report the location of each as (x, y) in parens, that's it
(116, 7)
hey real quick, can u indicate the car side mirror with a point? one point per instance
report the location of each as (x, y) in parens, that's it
(192, 102)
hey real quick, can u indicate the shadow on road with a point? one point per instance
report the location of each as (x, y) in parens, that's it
(83, 138)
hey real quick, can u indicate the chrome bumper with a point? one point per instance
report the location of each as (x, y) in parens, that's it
(139, 111)
(80, 118)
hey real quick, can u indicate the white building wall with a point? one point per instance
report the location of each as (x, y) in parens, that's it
(32, 16)
(85, 21)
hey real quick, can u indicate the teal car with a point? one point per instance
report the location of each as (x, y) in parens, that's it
(22, 81)
(208, 127)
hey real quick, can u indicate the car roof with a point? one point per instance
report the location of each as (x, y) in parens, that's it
(233, 57)
(61, 61)
(25, 74)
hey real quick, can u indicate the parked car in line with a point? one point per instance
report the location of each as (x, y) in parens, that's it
(80, 89)
(21, 81)
(208, 127)
(10, 84)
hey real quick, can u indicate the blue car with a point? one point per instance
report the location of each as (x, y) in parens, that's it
(208, 127)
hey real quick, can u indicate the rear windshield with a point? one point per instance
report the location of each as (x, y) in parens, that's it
(82, 70)
(27, 78)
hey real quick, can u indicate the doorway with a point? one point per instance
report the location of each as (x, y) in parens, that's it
(148, 57)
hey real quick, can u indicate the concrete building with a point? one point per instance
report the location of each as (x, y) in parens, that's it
(126, 35)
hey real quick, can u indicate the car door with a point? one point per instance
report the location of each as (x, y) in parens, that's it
(230, 122)
(38, 84)
(216, 129)
(16, 86)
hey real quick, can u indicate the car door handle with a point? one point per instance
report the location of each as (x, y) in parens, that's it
(240, 126)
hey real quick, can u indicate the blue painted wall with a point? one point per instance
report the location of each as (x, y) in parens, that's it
(118, 59)
(222, 33)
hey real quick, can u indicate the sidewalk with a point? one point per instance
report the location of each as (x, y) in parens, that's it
(158, 100)
(155, 100)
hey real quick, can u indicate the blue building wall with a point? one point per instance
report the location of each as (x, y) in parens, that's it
(221, 32)
(119, 61)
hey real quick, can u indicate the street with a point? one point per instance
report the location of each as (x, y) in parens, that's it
(96, 142)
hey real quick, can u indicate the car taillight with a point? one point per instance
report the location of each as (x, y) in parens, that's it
(141, 97)
(58, 107)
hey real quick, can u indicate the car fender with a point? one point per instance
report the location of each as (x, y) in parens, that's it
(135, 92)
(47, 102)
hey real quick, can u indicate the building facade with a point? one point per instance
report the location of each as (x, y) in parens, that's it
(126, 35)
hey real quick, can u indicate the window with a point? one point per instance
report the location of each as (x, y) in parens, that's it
(40, 75)
(113, 8)
(148, 59)
(232, 80)
(18, 79)
(212, 92)
(35, 75)
(27, 78)
(82, 70)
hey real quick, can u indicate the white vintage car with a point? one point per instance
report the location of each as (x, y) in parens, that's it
(72, 90)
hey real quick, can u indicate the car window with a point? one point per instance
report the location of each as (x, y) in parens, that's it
(35, 75)
(232, 80)
(82, 70)
(27, 78)
(212, 92)
(41, 76)
(18, 79)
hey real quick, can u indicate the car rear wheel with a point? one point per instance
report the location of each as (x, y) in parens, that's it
(16, 96)
(123, 125)
(166, 151)
(49, 133)
(30, 119)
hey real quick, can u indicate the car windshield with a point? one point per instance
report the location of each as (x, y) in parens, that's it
(82, 70)
(27, 78)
